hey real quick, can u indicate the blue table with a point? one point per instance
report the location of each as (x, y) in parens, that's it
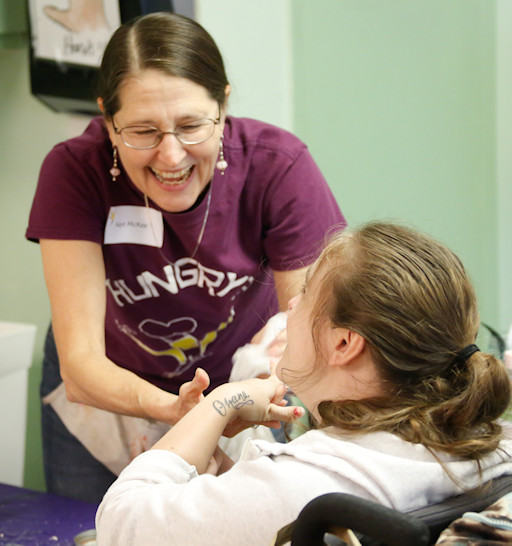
(31, 518)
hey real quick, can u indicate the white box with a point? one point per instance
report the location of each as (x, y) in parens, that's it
(16, 350)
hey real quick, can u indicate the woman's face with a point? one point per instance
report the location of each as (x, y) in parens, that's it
(172, 175)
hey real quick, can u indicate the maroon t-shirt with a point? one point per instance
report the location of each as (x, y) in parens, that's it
(168, 313)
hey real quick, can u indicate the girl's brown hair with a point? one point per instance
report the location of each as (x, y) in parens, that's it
(171, 43)
(411, 299)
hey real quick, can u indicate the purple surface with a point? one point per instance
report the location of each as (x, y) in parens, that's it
(30, 518)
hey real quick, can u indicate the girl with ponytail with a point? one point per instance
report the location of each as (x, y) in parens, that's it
(381, 351)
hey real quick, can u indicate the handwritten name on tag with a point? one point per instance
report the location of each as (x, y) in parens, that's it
(136, 225)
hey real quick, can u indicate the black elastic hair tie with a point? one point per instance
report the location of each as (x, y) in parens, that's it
(464, 354)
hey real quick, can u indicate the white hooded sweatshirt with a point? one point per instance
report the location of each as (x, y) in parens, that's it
(159, 499)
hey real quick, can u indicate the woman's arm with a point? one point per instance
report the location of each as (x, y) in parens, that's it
(75, 278)
(194, 438)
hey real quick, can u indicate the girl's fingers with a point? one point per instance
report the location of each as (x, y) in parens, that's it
(285, 414)
(279, 394)
(278, 415)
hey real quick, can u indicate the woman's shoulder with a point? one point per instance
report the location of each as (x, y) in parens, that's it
(249, 135)
(85, 154)
(90, 141)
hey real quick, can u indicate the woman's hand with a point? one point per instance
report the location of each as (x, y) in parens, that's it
(191, 393)
(81, 16)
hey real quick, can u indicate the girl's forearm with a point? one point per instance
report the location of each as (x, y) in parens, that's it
(194, 438)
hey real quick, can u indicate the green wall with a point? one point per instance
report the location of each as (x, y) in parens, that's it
(396, 101)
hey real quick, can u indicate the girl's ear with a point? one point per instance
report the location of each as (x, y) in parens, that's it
(346, 347)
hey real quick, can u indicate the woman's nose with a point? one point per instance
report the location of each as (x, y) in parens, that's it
(171, 149)
(293, 302)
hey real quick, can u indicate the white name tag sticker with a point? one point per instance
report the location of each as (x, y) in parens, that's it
(139, 225)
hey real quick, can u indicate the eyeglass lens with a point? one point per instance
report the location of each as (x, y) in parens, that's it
(149, 137)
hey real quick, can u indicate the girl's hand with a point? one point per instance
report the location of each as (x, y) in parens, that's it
(194, 438)
(219, 463)
(255, 401)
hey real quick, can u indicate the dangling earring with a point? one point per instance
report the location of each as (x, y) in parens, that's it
(114, 171)
(222, 164)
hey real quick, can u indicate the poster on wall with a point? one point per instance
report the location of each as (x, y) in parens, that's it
(72, 31)
(68, 38)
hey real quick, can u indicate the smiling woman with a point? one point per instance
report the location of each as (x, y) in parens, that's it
(170, 232)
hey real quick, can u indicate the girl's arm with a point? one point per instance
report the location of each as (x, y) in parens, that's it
(194, 438)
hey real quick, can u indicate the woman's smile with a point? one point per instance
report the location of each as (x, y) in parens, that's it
(172, 178)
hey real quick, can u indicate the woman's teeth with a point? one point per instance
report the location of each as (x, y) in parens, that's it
(174, 178)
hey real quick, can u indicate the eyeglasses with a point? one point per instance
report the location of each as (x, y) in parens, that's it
(142, 137)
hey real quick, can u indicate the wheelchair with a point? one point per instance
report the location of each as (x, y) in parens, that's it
(335, 519)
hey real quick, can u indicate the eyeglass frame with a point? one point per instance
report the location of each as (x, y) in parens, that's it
(161, 134)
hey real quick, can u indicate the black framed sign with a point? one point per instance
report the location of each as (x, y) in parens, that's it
(68, 38)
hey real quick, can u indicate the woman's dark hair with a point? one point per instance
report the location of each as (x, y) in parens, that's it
(170, 43)
(411, 299)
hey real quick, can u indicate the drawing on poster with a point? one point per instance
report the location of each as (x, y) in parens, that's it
(72, 31)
